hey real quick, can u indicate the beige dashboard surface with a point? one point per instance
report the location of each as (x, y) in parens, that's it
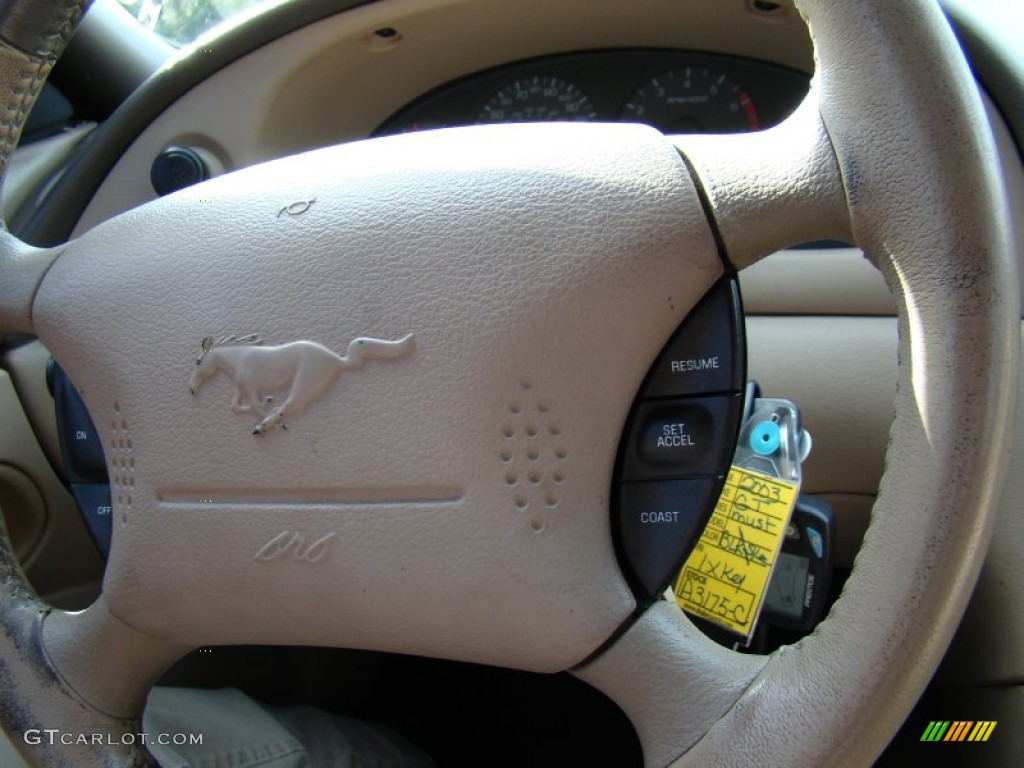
(337, 81)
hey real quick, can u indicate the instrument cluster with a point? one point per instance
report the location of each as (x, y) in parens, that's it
(674, 91)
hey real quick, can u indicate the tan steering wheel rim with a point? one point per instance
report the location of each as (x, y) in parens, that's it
(913, 180)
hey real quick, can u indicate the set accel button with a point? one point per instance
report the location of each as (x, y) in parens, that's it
(678, 438)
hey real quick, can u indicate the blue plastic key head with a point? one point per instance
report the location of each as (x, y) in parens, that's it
(765, 438)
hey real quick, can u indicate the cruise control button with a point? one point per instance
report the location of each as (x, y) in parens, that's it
(80, 443)
(658, 525)
(705, 354)
(682, 437)
(93, 500)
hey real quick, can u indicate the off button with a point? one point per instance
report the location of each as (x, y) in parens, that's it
(680, 438)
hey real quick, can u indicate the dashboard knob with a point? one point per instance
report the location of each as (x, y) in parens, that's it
(176, 168)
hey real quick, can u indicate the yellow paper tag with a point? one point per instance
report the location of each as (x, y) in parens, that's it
(726, 576)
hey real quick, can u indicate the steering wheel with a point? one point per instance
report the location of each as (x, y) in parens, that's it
(449, 497)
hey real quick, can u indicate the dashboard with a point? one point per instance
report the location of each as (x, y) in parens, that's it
(673, 91)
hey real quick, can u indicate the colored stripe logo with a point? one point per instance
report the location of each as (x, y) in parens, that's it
(958, 730)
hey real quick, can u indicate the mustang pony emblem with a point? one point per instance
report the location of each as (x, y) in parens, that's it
(303, 370)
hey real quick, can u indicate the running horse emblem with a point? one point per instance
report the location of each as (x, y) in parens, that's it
(299, 372)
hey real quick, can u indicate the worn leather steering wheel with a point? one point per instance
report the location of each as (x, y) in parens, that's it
(460, 490)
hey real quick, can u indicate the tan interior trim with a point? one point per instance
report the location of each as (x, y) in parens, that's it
(33, 164)
(336, 81)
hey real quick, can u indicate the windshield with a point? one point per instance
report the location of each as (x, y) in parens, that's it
(180, 22)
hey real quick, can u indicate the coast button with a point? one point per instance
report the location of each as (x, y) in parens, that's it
(658, 525)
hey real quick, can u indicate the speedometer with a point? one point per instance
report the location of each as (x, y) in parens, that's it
(692, 100)
(537, 98)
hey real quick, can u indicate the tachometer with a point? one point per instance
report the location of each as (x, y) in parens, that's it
(692, 100)
(537, 98)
